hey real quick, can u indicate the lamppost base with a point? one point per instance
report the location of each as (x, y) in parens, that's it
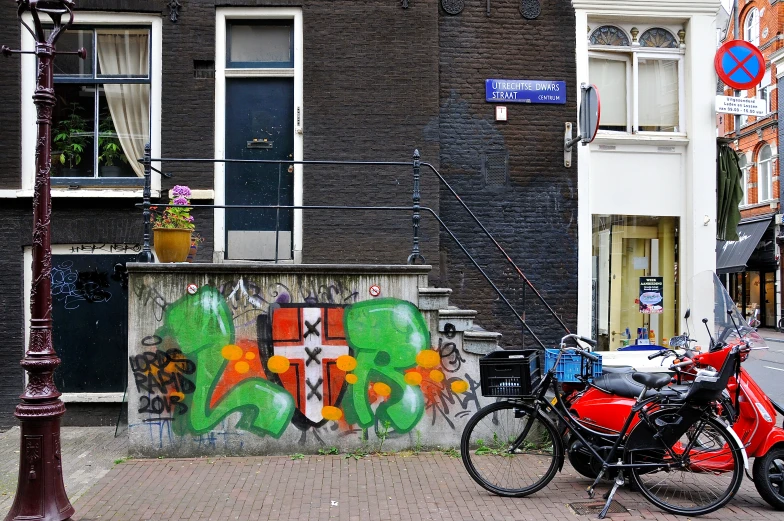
(40, 492)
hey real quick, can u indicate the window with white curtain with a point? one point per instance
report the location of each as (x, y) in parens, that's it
(764, 89)
(743, 163)
(751, 27)
(640, 87)
(102, 118)
(764, 177)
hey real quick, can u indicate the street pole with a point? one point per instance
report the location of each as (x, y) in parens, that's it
(40, 493)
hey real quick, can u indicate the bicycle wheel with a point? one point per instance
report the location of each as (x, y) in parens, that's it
(704, 470)
(487, 455)
(781, 325)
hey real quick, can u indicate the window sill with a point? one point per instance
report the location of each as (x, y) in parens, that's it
(92, 182)
(107, 193)
(672, 139)
(92, 397)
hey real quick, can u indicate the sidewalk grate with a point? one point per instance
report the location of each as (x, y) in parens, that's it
(584, 508)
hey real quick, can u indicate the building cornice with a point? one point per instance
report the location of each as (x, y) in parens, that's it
(668, 8)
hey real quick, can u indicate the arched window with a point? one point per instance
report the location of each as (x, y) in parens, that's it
(751, 27)
(657, 37)
(764, 177)
(743, 163)
(609, 35)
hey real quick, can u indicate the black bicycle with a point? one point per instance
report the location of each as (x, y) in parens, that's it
(679, 454)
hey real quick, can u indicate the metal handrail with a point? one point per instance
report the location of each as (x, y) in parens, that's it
(146, 254)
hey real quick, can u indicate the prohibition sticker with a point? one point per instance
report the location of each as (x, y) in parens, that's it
(375, 290)
(192, 289)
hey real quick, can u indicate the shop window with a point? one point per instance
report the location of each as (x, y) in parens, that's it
(764, 177)
(641, 86)
(751, 27)
(743, 164)
(102, 118)
(630, 255)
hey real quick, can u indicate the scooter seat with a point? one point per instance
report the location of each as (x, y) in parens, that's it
(622, 384)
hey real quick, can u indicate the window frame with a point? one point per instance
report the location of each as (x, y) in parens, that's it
(96, 80)
(745, 170)
(93, 186)
(751, 38)
(767, 165)
(629, 85)
(635, 53)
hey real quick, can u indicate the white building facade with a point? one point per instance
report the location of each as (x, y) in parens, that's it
(647, 183)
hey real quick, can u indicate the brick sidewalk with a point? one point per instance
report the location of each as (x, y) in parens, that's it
(416, 487)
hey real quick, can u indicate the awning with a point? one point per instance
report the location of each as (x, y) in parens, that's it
(732, 256)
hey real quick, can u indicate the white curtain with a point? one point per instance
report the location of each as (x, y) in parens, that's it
(125, 53)
(609, 76)
(658, 94)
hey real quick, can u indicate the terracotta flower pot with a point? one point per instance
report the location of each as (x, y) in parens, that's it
(171, 244)
(192, 252)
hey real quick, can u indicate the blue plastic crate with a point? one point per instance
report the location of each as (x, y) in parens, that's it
(572, 365)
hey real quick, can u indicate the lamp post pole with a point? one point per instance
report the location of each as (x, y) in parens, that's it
(40, 493)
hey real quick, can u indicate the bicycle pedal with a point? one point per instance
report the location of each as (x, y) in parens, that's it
(591, 492)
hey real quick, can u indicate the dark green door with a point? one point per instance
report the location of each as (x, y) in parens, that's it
(259, 125)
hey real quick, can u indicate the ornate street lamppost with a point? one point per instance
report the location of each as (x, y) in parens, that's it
(40, 493)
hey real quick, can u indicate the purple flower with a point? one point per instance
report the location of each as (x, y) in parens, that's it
(183, 191)
(180, 201)
(190, 219)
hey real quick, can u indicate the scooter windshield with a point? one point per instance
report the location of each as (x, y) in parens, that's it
(729, 325)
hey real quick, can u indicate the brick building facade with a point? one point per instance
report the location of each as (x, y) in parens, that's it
(371, 81)
(756, 288)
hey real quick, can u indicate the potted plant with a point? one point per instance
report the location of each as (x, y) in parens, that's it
(172, 227)
(111, 156)
(196, 239)
(70, 139)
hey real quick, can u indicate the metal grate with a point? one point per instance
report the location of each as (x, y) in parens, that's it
(584, 508)
(204, 69)
(495, 168)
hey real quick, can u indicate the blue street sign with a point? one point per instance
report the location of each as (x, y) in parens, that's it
(525, 91)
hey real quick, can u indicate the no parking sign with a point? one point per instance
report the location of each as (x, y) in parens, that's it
(740, 64)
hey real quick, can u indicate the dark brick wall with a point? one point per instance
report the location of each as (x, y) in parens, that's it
(534, 217)
(10, 109)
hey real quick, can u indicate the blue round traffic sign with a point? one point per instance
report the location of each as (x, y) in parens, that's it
(740, 64)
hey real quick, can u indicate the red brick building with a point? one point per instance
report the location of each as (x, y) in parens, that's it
(756, 284)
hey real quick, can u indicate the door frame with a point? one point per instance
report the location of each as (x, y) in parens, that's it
(223, 15)
(72, 249)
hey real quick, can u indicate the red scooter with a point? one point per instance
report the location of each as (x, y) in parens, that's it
(604, 403)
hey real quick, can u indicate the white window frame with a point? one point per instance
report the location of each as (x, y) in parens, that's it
(633, 54)
(29, 115)
(629, 98)
(69, 249)
(767, 163)
(224, 16)
(745, 176)
(751, 32)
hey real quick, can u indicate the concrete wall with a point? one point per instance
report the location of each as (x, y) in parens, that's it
(243, 359)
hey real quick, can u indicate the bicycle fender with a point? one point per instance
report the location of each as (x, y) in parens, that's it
(741, 445)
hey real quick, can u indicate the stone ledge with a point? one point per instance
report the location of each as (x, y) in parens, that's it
(263, 267)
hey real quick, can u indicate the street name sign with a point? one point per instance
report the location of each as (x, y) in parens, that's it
(525, 91)
(746, 106)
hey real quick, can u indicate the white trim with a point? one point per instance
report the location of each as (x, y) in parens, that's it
(222, 15)
(29, 130)
(259, 73)
(92, 397)
(57, 192)
(647, 8)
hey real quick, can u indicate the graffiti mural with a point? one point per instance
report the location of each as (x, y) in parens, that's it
(240, 357)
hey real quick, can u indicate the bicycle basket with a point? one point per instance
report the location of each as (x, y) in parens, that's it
(572, 367)
(510, 374)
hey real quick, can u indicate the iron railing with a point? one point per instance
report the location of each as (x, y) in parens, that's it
(416, 209)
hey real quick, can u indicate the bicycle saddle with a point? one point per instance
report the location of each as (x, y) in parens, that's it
(652, 380)
(623, 384)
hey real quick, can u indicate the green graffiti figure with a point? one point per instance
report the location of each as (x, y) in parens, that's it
(386, 335)
(202, 325)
